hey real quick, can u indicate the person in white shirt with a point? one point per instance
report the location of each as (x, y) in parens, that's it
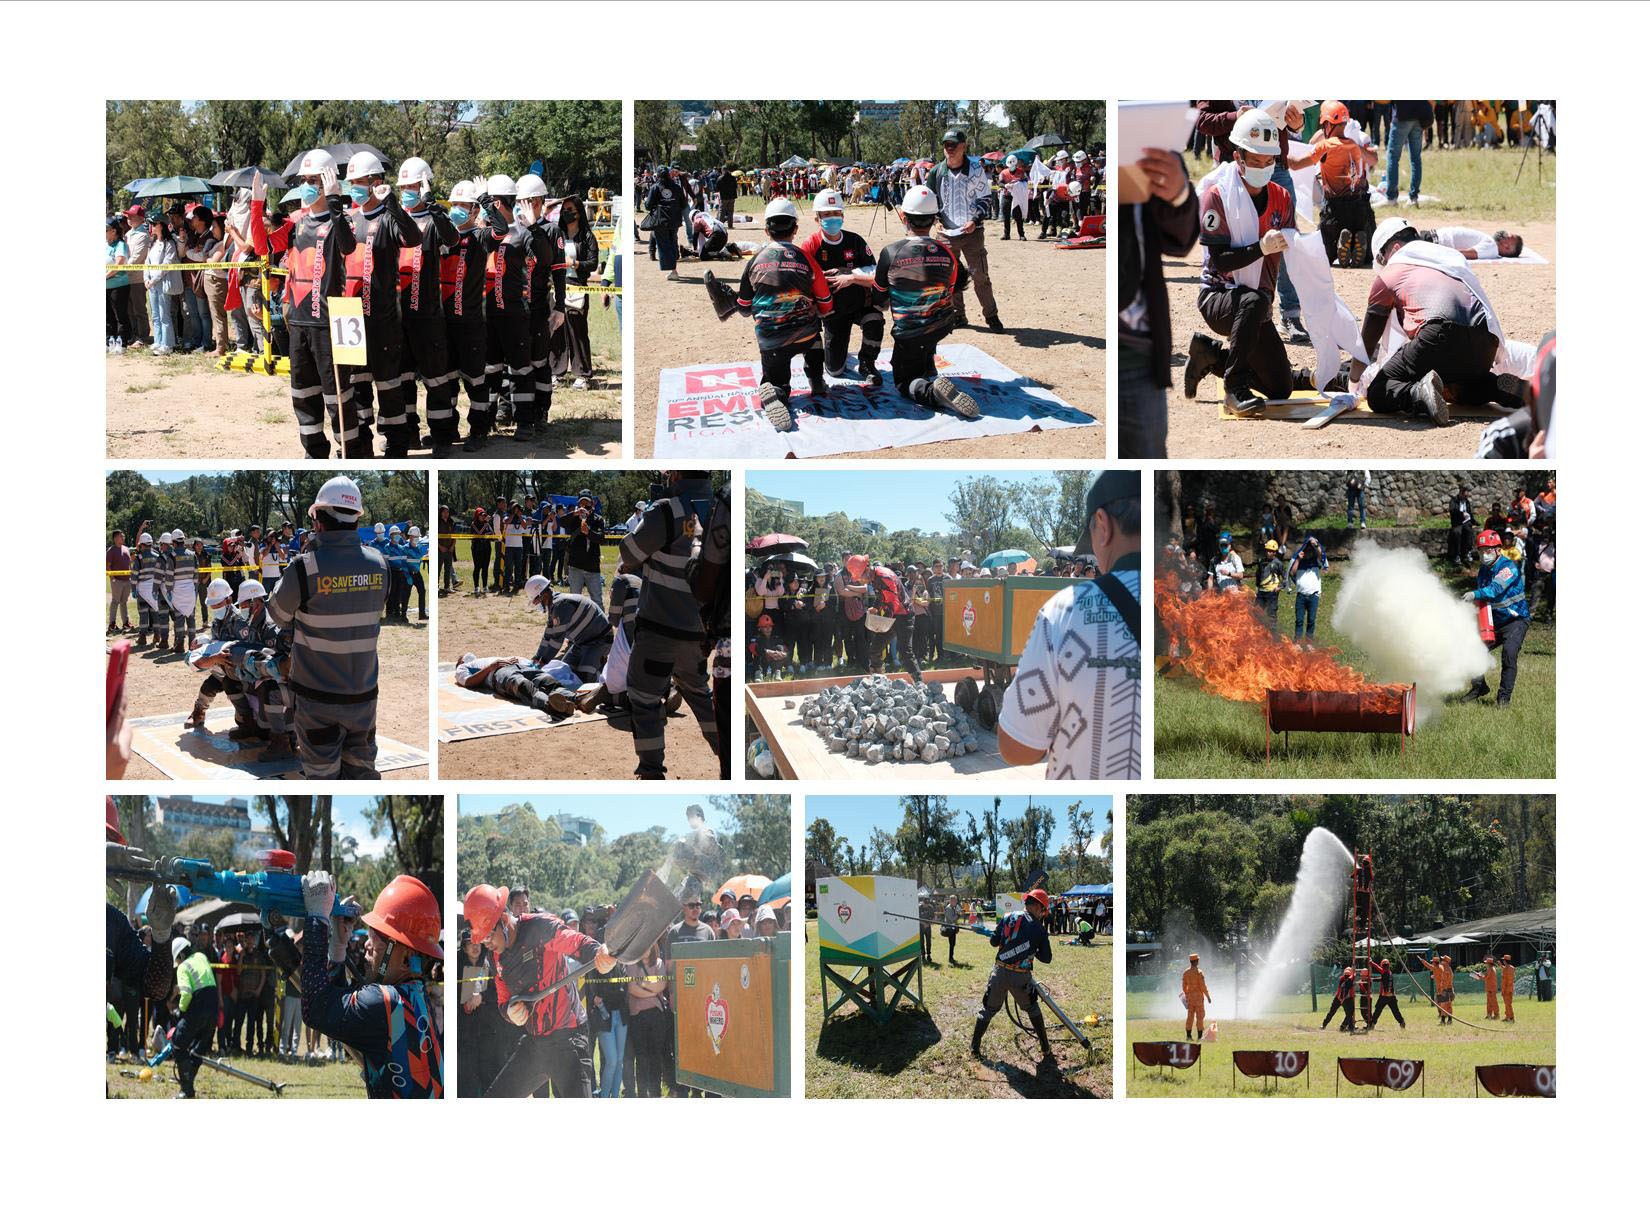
(1227, 569)
(1476, 244)
(1075, 699)
(1306, 572)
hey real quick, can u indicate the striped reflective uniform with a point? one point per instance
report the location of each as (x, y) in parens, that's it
(333, 599)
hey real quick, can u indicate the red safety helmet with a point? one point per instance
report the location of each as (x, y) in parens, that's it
(764, 621)
(1488, 538)
(1345, 972)
(856, 566)
(1038, 894)
(111, 822)
(484, 907)
(1386, 962)
(406, 912)
(1334, 112)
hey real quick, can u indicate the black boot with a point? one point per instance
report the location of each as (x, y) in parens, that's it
(1203, 356)
(980, 1024)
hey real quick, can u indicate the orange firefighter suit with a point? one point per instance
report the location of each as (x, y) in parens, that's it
(1196, 991)
(1491, 990)
(1509, 977)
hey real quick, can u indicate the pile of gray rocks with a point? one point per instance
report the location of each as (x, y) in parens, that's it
(881, 721)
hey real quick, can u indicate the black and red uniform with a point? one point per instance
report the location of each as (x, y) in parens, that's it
(850, 305)
(546, 291)
(556, 1046)
(1343, 1002)
(464, 293)
(887, 594)
(317, 247)
(509, 353)
(1388, 998)
(920, 278)
(424, 328)
(786, 292)
(375, 277)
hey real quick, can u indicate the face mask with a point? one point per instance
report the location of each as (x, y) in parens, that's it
(219, 612)
(1257, 176)
(832, 225)
(359, 192)
(308, 194)
(459, 215)
(409, 198)
(1489, 557)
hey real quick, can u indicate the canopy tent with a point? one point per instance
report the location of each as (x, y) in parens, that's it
(794, 162)
(1535, 925)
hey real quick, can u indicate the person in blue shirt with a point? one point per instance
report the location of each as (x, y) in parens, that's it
(1020, 939)
(1500, 586)
(395, 551)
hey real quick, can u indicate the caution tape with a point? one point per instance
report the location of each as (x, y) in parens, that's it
(126, 574)
(187, 267)
(610, 538)
(585, 979)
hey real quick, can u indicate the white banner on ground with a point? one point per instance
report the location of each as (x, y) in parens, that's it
(211, 755)
(709, 412)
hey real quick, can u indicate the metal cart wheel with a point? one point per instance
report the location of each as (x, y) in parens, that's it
(968, 691)
(985, 708)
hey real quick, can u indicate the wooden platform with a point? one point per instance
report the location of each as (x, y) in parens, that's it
(802, 755)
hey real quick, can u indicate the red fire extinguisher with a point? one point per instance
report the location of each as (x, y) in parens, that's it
(1486, 626)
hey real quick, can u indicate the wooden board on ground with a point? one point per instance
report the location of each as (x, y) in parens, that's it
(211, 755)
(462, 714)
(1305, 406)
(801, 754)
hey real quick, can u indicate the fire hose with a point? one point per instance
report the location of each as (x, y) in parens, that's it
(1419, 988)
(1014, 1010)
(273, 1087)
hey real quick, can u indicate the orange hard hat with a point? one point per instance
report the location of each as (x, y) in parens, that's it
(1334, 112)
(406, 912)
(1506, 958)
(111, 822)
(1038, 894)
(484, 906)
(1194, 956)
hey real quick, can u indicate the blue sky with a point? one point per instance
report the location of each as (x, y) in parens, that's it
(175, 477)
(900, 500)
(618, 813)
(347, 816)
(855, 817)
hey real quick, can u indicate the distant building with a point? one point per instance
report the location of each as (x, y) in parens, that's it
(182, 815)
(879, 112)
(576, 829)
(870, 527)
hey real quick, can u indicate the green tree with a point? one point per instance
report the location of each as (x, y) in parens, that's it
(985, 838)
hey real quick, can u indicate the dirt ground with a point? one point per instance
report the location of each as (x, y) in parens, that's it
(1052, 302)
(493, 625)
(163, 683)
(184, 407)
(1525, 300)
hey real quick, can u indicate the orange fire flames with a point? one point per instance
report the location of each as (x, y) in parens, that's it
(1221, 641)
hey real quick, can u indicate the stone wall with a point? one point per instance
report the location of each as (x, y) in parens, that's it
(1402, 495)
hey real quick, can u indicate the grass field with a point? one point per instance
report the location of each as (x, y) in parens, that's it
(1450, 1052)
(329, 1080)
(1484, 184)
(926, 1056)
(1202, 735)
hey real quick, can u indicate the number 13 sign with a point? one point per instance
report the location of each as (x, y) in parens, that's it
(349, 331)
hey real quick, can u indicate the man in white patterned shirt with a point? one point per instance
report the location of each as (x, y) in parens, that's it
(1075, 700)
(964, 191)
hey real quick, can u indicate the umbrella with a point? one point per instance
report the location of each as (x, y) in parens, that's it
(1047, 140)
(778, 889)
(801, 561)
(899, 163)
(1025, 156)
(769, 545)
(232, 180)
(745, 884)
(340, 153)
(174, 184)
(185, 898)
(1008, 556)
(137, 184)
(236, 920)
(992, 156)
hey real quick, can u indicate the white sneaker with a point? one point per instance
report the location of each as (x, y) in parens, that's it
(581, 384)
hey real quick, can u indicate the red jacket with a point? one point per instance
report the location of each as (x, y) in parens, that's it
(537, 958)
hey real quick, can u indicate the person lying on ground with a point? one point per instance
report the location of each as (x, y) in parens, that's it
(1474, 243)
(549, 688)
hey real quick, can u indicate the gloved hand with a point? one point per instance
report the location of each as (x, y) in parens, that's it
(338, 932)
(319, 893)
(1273, 242)
(329, 181)
(1468, 596)
(162, 910)
(126, 859)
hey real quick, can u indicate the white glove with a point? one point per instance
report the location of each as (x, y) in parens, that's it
(162, 910)
(319, 892)
(126, 858)
(338, 932)
(329, 181)
(1273, 242)
(1469, 596)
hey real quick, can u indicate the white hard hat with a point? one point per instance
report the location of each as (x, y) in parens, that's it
(250, 588)
(1384, 233)
(1079, 155)
(219, 591)
(1256, 132)
(377, 528)
(920, 201)
(501, 184)
(341, 496)
(828, 200)
(315, 162)
(780, 205)
(414, 533)
(363, 165)
(463, 192)
(534, 587)
(145, 537)
(1011, 162)
(531, 186)
(395, 530)
(414, 171)
(180, 947)
(1062, 155)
